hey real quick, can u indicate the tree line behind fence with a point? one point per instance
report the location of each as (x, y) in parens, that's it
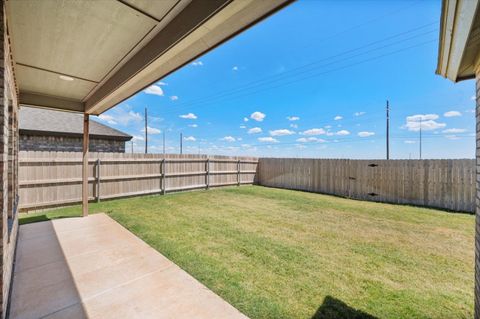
(446, 184)
(54, 178)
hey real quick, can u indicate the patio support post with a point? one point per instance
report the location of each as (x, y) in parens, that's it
(98, 179)
(85, 165)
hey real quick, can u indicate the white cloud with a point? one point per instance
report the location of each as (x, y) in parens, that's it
(452, 137)
(174, 98)
(294, 125)
(452, 114)
(228, 139)
(281, 132)
(359, 113)
(473, 98)
(343, 132)
(137, 138)
(423, 117)
(427, 121)
(197, 63)
(107, 118)
(257, 116)
(154, 89)
(161, 83)
(243, 126)
(235, 68)
(310, 139)
(190, 138)
(328, 126)
(365, 134)
(245, 119)
(193, 125)
(189, 116)
(254, 130)
(293, 118)
(338, 118)
(409, 142)
(151, 130)
(454, 130)
(121, 115)
(314, 131)
(268, 139)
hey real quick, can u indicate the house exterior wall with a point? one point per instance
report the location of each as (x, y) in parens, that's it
(68, 144)
(477, 212)
(8, 164)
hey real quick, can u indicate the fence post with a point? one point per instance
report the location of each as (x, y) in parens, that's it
(162, 176)
(207, 173)
(238, 172)
(98, 180)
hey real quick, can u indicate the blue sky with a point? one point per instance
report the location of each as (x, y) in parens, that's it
(312, 81)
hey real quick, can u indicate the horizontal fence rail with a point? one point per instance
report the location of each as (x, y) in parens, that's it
(48, 179)
(446, 184)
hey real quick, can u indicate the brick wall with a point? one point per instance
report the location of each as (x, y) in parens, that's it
(8, 164)
(68, 144)
(477, 213)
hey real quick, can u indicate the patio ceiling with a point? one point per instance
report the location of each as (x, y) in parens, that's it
(88, 56)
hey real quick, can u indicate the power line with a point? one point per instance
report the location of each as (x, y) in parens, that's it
(297, 71)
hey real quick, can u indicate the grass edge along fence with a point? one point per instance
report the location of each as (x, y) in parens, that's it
(444, 184)
(52, 179)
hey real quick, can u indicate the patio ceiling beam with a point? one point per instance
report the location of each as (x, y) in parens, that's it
(86, 123)
(51, 102)
(196, 13)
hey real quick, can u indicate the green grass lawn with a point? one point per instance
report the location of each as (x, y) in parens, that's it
(285, 254)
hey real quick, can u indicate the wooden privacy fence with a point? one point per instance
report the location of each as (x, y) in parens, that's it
(447, 184)
(49, 179)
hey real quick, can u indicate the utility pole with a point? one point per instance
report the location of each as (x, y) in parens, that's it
(132, 147)
(388, 131)
(181, 143)
(420, 137)
(146, 132)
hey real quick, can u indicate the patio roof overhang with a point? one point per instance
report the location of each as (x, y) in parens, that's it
(459, 41)
(88, 56)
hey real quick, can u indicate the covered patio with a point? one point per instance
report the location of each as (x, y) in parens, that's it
(87, 57)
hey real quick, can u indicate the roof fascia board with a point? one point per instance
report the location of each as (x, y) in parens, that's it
(50, 102)
(458, 17)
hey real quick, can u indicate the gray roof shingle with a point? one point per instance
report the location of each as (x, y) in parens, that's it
(40, 121)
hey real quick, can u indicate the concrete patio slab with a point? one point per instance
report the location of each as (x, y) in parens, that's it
(94, 268)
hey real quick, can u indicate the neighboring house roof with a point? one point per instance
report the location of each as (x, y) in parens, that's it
(459, 40)
(37, 121)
